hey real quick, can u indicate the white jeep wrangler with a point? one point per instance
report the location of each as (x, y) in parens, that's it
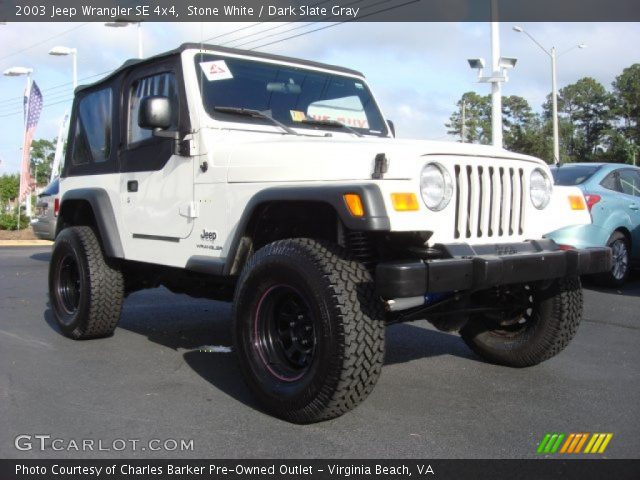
(277, 183)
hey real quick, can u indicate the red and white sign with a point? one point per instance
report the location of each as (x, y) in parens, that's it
(216, 70)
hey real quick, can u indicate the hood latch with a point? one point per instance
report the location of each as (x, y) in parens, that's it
(380, 166)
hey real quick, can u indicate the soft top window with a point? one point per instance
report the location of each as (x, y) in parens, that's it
(163, 84)
(92, 139)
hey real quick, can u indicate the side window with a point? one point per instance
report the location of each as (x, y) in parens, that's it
(610, 182)
(161, 84)
(92, 139)
(630, 182)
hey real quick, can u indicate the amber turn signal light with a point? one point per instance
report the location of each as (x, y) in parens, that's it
(577, 202)
(354, 204)
(404, 202)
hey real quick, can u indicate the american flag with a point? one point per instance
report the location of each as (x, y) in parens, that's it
(32, 109)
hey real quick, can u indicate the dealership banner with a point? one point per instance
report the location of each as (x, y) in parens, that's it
(319, 10)
(319, 469)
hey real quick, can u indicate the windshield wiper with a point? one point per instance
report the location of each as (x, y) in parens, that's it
(256, 114)
(330, 123)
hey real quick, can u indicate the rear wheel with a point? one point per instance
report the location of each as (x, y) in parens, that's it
(547, 321)
(620, 267)
(85, 291)
(308, 330)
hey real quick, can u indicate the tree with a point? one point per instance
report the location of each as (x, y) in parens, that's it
(618, 148)
(594, 124)
(477, 119)
(587, 106)
(626, 105)
(9, 185)
(518, 121)
(42, 153)
(523, 130)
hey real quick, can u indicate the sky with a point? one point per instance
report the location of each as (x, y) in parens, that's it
(418, 71)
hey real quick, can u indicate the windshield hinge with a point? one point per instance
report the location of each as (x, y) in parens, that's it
(380, 166)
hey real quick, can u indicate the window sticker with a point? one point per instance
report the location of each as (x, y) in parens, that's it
(297, 115)
(216, 70)
(359, 86)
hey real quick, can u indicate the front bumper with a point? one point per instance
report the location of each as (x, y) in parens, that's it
(467, 267)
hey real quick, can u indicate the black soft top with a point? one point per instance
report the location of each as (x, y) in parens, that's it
(188, 46)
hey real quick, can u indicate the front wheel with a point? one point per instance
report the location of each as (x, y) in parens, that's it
(85, 291)
(309, 330)
(546, 324)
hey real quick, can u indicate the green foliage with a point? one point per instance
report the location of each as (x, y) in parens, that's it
(626, 91)
(594, 124)
(523, 130)
(477, 112)
(42, 153)
(588, 107)
(9, 221)
(9, 185)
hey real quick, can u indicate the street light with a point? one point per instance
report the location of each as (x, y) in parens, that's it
(125, 24)
(17, 72)
(64, 51)
(554, 87)
(499, 75)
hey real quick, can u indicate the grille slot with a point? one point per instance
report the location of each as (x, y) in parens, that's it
(489, 201)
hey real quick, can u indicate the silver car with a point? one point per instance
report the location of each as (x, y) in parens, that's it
(44, 223)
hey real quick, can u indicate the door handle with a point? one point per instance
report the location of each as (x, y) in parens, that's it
(132, 186)
(634, 206)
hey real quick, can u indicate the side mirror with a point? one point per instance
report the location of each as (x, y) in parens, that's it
(155, 113)
(392, 127)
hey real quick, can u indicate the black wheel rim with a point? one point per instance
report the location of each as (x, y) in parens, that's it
(68, 285)
(285, 333)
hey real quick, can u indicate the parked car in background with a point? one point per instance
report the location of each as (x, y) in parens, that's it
(44, 223)
(612, 193)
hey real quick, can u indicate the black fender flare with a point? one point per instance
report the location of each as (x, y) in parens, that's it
(375, 218)
(98, 199)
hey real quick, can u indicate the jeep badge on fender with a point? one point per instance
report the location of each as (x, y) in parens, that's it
(208, 235)
(278, 184)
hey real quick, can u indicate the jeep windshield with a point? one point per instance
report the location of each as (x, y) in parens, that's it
(294, 96)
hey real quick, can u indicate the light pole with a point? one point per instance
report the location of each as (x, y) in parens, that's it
(499, 66)
(552, 53)
(17, 72)
(125, 24)
(64, 51)
(496, 78)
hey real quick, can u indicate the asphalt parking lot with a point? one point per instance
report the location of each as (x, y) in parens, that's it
(159, 377)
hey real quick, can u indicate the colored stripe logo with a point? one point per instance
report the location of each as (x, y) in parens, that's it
(573, 443)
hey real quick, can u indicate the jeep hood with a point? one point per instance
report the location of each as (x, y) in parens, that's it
(341, 158)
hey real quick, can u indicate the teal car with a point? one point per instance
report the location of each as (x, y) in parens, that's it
(612, 194)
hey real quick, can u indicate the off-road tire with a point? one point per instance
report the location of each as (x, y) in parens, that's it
(98, 300)
(348, 329)
(553, 321)
(608, 279)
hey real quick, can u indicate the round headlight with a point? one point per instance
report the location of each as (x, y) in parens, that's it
(435, 186)
(540, 189)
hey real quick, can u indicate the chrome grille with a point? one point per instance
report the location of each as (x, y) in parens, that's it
(489, 201)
